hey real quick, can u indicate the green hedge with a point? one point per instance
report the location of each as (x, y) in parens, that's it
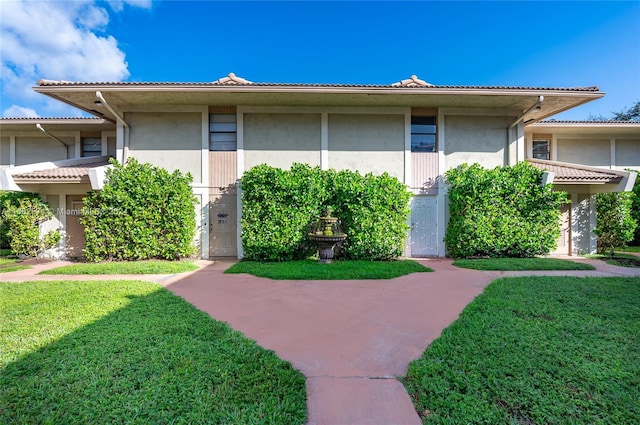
(23, 221)
(615, 224)
(8, 198)
(503, 212)
(143, 212)
(278, 206)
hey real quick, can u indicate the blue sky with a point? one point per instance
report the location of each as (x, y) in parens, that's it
(543, 44)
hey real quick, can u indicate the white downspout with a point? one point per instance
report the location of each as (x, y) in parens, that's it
(121, 121)
(517, 136)
(66, 147)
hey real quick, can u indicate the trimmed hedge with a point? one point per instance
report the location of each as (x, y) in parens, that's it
(143, 212)
(615, 224)
(8, 198)
(503, 212)
(23, 221)
(278, 206)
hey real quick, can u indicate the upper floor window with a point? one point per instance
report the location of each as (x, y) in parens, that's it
(222, 132)
(423, 134)
(91, 146)
(541, 149)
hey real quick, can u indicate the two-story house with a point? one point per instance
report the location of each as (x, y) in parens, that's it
(410, 129)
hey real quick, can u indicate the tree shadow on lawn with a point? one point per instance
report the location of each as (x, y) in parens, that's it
(157, 359)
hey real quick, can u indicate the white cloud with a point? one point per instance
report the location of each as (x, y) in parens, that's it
(58, 40)
(16, 111)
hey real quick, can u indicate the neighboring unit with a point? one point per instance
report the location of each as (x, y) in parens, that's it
(411, 129)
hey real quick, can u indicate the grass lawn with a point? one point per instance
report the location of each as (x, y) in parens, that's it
(131, 352)
(517, 264)
(338, 270)
(125, 267)
(536, 350)
(618, 259)
(11, 265)
(629, 249)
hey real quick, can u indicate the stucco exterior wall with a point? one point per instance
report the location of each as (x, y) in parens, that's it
(593, 152)
(280, 139)
(40, 149)
(4, 151)
(628, 153)
(111, 146)
(471, 139)
(367, 143)
(172, 140)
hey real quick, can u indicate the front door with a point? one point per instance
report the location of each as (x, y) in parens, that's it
(564, 241)
(223, 227)
(75, 230)
(424, 226)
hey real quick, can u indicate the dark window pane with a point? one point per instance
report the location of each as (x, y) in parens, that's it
(423, 143)
(222, 127)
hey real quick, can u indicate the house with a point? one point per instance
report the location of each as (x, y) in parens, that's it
(410, 129)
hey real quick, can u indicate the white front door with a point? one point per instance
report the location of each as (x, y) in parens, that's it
(223, 228)
(424, 226)
(564, 241)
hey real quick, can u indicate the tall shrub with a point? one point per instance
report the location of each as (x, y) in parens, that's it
(615, 225)
(142, 212)
(23, 221)
(279, 205)
(635, 209)
(13, 199)
(503, 212)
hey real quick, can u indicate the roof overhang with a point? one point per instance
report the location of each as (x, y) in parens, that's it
(582, 179)
(123, 95)
(592, 128)
(13, 125)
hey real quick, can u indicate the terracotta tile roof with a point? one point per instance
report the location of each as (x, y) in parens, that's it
(74, 173)
(609, 122)
(574, 173)
(233, 80)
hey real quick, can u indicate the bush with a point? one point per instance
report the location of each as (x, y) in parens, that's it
(635, 209)
(503, 212)
(143, 212)
(278, 206)
(615, 225)
(24, 221)
(12, 198)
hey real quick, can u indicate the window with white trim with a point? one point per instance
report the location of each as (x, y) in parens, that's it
(91, 146)
(541, 149)
(223, 132)
(423, 134)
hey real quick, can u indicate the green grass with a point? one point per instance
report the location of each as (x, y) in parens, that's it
(618, 259)
(517, 264)
(629, 249)
(11, 265)
(130, 352)
(536, 350)
(338, 270)
(125, 267)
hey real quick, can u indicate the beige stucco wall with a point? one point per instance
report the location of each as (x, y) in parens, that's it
(40, 149)
(281, 139)
(594, 152)
(628, 153)
(4, 151)
(172, 140)
(475, 139)
(367, 143)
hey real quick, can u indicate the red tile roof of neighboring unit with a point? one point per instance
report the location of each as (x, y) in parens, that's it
(62, 174)
(612, 122)
(573, 173)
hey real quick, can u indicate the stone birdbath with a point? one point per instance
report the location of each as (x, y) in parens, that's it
(327, 233)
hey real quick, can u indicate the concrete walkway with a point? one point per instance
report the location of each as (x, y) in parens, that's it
(351, 339)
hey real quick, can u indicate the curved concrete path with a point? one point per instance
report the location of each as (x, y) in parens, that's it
(351, 339)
